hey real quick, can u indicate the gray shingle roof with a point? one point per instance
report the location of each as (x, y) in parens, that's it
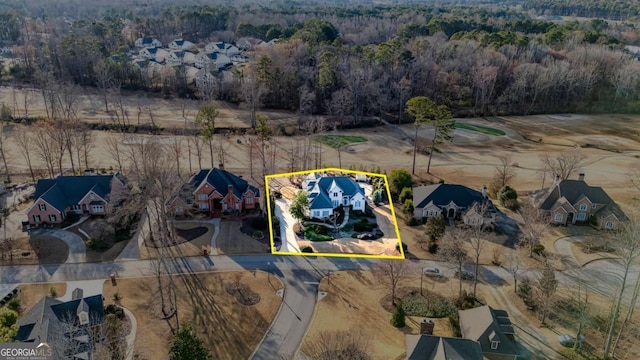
(220, 180)
(69, 190)
(428, 347)
(573, 190)
(479, 323)
(443, 194)
(47, 317)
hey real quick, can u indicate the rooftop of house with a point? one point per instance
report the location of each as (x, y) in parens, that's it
(69, 190)
(429, 347)
(220, 179)
(443, 194)
(50, 315)
(486, 325)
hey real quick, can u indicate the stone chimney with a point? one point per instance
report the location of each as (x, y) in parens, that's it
(221, 166)
(426, 327)
(581, 176)
(484, 191)
(76, 294)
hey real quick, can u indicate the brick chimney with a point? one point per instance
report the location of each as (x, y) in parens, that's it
(76, 294)
(426, 327)
(221, 166)
(581, 176)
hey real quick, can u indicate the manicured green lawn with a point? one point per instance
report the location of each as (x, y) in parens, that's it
(479, 128)
(335, 141)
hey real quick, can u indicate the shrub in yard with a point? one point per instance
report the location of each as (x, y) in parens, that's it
(258, 234)
(259, 223)
(432, 248)
(306, 249)
(508, 197)
(309, 234)
(115, 310)
(354, 236)
(404, 248)
(53, 292)
(347, 227)
(412, 221)
(14, 304)
(398, 317)
(377, 196)
(538, 249)
(406, 194)
(398, 180)
(407, 207)
(434, 227)
(362, 226)
(275, 221)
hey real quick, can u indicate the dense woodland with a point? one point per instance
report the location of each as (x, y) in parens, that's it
(350, 62)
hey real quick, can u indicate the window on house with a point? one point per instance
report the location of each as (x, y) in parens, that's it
(316, 213)
(204, 206)
(52, 218)
(325, 213)
(202, 196)
(179, 210)
(593, 206)
(97, 208)
(250, 200)
(494, 345)
(583, 207)
(42, 207)
(335, 194)
(93, 197)
(36, 218)
(84, 318)
(558, 218)
(357, 204)
(581, 216)
(75, 207)
(609, 225)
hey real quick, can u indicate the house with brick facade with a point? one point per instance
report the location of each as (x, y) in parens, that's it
(55, 199)
(574, 201)
(214, 192)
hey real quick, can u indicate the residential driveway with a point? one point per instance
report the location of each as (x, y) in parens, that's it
(296, 312)
(289, 243)
(562, 247)
(131, 336)
(385, 221)
(132, 250)
(77, 248)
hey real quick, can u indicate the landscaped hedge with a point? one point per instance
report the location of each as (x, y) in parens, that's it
(313, 236)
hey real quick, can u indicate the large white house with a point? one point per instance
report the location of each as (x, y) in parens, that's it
(211, 60)
(181, 44)
(329, 192)
(154, 53)
(222, 47)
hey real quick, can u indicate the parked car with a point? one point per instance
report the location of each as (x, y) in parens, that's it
(366, 236)
(431, 271)
(567, 340)
(466, 275)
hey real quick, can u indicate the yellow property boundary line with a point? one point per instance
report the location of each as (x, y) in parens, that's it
(343, 255)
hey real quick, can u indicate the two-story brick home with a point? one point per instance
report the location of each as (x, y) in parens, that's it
(574, 201)
(55, 199)
(214, 191)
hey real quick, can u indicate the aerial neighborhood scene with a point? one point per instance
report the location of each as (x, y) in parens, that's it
(319, 180)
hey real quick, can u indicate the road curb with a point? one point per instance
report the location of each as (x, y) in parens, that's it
(284, 290)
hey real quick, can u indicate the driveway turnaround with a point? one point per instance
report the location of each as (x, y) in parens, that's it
(77, 248)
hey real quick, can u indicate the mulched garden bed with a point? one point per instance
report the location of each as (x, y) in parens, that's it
(256, 223)
(183, 236)
(243, 294)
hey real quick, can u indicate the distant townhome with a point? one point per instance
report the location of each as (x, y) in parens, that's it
(214, 191)
(154, 53)
(247, 43)
(147, 42)
(492, 329)
(56, 198)
(222, 47)
(454, 202)
(573, 201)
(181, 44)
(329, 192)
(180, 57)
(71, 327)
(211, 61)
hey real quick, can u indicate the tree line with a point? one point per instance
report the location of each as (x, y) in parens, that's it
(349, 63)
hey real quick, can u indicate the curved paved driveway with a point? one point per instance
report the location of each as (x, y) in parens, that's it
(131, 336)
(77, 248)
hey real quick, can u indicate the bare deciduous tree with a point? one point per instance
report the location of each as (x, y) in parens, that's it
(349, 344)
(114, 149)
(451, 250)
(534, 225)
(392, 273)
(564, 164)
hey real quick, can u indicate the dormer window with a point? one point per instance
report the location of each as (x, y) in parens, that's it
(42, 207)
(92, 196)
(583, 207)
(593, 206)
(84, 318)
(494, 345)
(202, 196)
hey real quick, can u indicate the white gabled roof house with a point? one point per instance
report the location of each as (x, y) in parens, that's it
(329, 192)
